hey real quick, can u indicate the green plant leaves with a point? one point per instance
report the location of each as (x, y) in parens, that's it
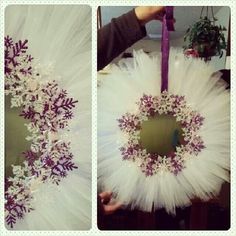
(206, 37)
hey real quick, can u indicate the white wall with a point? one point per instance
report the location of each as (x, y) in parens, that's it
(151, 45)
(223, 19)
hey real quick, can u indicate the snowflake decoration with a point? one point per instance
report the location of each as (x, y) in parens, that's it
(150, 106)
(48, 109)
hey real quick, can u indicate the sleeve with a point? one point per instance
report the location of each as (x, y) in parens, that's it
(100, 213)
(117, 36)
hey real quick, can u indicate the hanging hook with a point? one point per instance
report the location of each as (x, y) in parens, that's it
(201, 12)
(213, 16)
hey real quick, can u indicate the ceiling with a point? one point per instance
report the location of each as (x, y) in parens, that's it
(184, 16)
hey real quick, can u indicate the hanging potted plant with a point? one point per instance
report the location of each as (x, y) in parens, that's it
(205, 38)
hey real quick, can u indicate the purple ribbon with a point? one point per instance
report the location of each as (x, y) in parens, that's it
(167, 25)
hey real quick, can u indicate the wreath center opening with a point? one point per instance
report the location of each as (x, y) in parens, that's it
(160, 134)
(15, 137)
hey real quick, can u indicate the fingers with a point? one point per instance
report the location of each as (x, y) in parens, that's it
(159, 17)
(145, 14)
(111, 208)
(105, 196)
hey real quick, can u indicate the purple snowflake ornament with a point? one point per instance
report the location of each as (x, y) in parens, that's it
(150, 106)
(47, 108)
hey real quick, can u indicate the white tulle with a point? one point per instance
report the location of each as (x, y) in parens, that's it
(204, 92)
(61, 35)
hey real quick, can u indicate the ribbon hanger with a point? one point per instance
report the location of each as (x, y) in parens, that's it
(167, 25)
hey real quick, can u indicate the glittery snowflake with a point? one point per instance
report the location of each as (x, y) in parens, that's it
(150, 106)
(47, 108)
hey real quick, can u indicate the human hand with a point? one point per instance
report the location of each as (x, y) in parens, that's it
(145, 14)
(109, 206)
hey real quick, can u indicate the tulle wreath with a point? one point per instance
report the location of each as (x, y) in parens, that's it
(197, 98)
(52, 71)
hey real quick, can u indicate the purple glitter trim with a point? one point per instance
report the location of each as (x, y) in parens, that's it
(12, 52)
(48, 109)
(129, 123)
(149, 106)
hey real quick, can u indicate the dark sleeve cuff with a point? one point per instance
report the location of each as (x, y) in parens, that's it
(135, 31)
(100, 213)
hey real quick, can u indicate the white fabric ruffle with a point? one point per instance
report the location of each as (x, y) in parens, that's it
(204, 92)
(61, 35)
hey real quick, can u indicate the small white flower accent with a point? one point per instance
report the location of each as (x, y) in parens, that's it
(17, 170)
(52, 136)
(16, 101)
(32, 84)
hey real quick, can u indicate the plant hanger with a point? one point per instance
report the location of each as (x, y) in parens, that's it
(207, 13)
(205, 38)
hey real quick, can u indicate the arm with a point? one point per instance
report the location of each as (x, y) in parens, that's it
(122, 32)
(118, 35)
